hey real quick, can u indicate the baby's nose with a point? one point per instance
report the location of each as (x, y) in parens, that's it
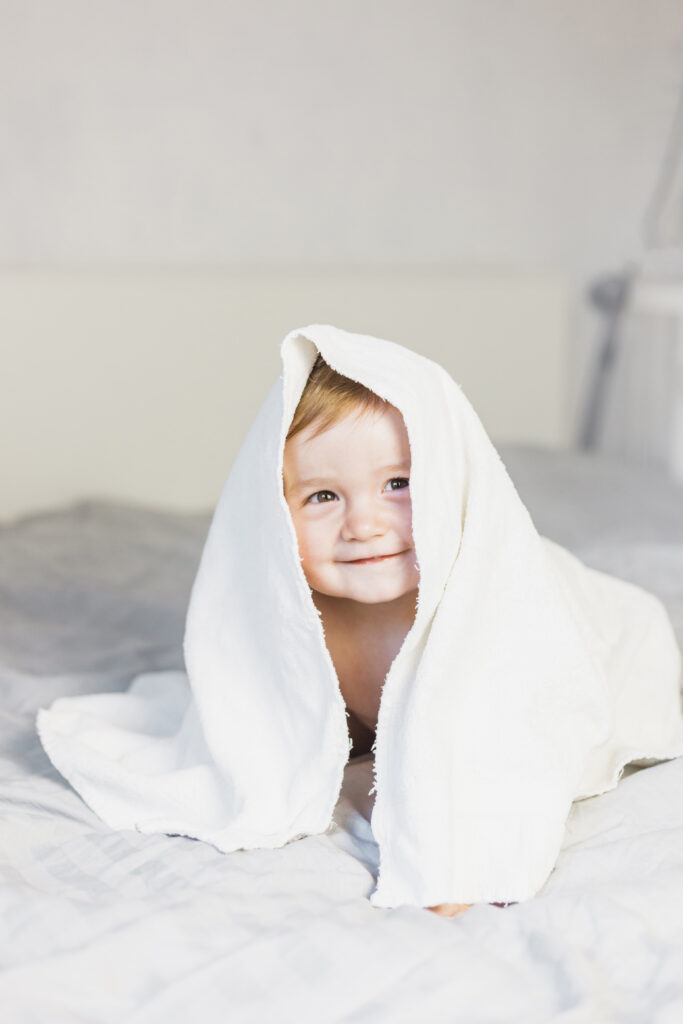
(363, 520)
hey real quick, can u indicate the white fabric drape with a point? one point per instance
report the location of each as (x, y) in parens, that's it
(527, 680)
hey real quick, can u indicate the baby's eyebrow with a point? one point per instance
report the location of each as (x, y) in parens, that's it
(398, 467)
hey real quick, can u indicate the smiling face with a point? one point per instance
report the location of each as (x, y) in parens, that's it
(349, 497)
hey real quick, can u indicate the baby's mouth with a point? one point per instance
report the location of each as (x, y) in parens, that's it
(376, 558)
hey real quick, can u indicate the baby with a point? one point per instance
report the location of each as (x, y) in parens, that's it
(521, 681)
(346, 482)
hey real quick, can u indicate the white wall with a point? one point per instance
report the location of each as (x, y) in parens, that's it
(140, 385)
(514, 133)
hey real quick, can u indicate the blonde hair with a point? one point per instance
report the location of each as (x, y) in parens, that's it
(329, 396)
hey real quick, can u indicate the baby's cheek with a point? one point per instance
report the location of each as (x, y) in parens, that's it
(310, 550)
(406, 515)
(317, 536)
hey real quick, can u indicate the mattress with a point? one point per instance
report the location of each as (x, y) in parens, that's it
(102, 926)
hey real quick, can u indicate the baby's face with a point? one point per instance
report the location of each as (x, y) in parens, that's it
(349, 498)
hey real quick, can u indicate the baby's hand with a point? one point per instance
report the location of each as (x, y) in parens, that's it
(450, 909)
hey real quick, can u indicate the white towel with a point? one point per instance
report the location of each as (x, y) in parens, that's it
(526, 681)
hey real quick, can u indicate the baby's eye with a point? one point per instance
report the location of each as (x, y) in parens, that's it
(315, 498)
(402, 482)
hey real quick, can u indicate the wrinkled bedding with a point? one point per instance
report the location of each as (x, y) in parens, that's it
(100, 926)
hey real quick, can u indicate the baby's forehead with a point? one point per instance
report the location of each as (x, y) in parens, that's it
(377, 427)
(371, 438)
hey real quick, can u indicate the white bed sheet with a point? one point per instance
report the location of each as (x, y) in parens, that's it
(101, 926)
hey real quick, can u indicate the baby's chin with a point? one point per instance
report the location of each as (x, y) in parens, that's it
(368, 595)
(387, 598)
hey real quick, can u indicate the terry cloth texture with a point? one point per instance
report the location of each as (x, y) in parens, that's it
(527, 680)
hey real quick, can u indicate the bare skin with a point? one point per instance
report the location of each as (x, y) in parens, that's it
(363, 647)
(450, 909)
